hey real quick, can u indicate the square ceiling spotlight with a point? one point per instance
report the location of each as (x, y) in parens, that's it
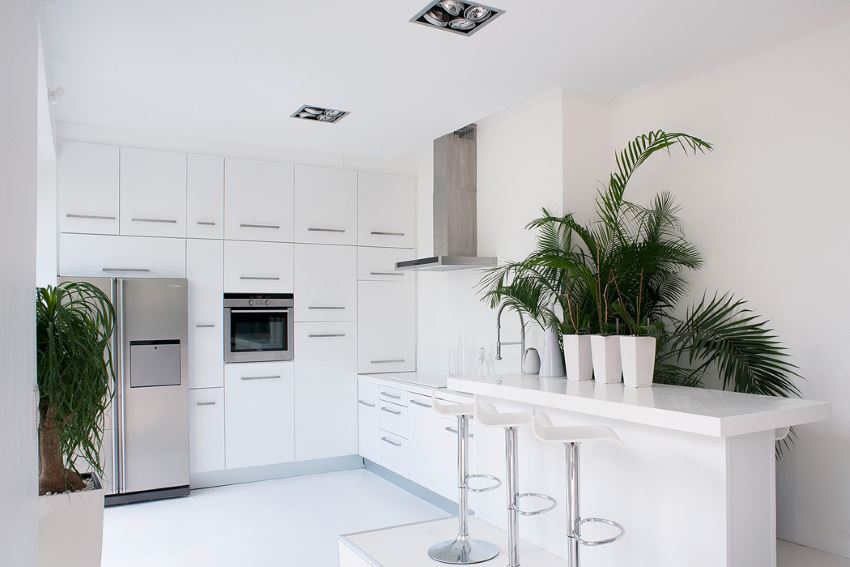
(462, 17)
(319, 114)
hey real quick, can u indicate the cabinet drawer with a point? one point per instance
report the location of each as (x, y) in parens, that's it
(392, 395)
(204, 196)
(206, 430)
(257, 200)
(325, 205)
(121, 256)
(153, 193)
(258, 267)
(386, 331)
(392, 418)
(204, 272)
(87, 186)
(386, 210)
(393, 452)
(325, 283)
(379, 264)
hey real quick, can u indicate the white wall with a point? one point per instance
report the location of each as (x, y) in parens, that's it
(768, 208)
(18, 486)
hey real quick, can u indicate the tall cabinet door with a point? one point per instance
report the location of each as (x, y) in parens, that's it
(257, 200)
(204, 270)
(325, 205)
(386, 210)
(87, 181)
(204, 196)
(153, 193)
(386, 327)
(325, 390)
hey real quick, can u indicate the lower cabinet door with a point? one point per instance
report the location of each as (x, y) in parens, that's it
(259, 414)
(206, 430)
(393, 453)
(325, 390)
(367, 420)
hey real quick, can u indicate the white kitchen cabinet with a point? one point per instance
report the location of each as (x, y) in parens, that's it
(87, 185)
(325, 390)
(258, 267)
(204, 196)
(325, 205)
(153, 193)
(325, 283)
(393, 453)
(386, 327)
(432, 442)
(259, 414)
(257, 200)
(392, 418)
(379, 264)
(204, 267)
(86, 255)
(386, 210)
(367, 420)
(206, 430)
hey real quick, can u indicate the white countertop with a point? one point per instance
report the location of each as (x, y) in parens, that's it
(715, 413)
(424, 379)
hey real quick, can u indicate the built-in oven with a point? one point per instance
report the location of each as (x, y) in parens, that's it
(258, 327)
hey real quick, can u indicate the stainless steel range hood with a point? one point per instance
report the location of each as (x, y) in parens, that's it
(455, 206)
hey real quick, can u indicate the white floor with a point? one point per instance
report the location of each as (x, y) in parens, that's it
(286, 523)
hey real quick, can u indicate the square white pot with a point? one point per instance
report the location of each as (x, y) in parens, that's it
(638, 355)
(71, 528)
(607, 366)
(578, 357)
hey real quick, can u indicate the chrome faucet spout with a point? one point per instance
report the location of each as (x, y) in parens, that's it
(500, 343)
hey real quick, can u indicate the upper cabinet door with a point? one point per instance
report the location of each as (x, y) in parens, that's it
(325, 283)
(257, 200)
(325, 205)
(153, 193)
(386, 210)
(88, 188)
(205, 196)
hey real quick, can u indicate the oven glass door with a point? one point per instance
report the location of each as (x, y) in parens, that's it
(259, 334)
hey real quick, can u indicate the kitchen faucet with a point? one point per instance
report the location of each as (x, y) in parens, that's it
(499, 342)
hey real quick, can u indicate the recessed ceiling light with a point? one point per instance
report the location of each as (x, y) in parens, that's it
(319, 114)
(456, 16)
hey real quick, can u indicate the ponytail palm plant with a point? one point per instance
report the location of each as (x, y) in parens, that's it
(74, 323)
(625, 268)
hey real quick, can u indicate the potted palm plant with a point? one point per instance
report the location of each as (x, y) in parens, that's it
(74, 323)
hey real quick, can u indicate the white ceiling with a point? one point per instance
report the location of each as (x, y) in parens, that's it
(235, 70)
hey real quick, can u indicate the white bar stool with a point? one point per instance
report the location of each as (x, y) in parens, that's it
(462, 550)
(487, 414)
(572, 437)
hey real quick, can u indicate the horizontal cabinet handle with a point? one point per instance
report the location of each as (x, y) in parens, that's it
(389, 395)
(204, 403)
(325, 335)
(267, 278)
(280, 311)
(90, 217)
(387, 361)
(453, 430)
(386, 274)
(269, 226)
(205, 325)
(126, 269)
(315, 229)
(367, 404)
(382, 233)
(261, 377)
(206, 223)
(388, 410)
(391, 442)
(420, 404)
(161, 221)
(326, 307)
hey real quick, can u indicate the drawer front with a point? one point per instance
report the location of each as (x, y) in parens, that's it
(325, 205)
(87, 187)
(325, 283)
(206, 430)
(392, 418)
(379, 264)
(258, 267)
(205, 197)
(85, 255)
(392, 395)
(393, 453)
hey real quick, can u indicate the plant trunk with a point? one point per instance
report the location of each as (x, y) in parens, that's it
(53, 476)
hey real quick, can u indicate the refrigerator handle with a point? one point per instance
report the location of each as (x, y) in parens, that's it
(118, 370)
(122, 449)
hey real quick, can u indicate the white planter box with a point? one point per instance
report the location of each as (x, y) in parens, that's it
(578, 357)
(71, 528)
(638, 355)
(607, 366)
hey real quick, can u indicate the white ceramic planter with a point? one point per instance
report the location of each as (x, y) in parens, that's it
(552, 359)
(578, 357)
(638, 355)
(71, 529)
(607, 366)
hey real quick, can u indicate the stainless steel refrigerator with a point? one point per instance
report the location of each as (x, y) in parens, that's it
(146, 440)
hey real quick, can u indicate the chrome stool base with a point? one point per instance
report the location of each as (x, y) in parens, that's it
(458, 552)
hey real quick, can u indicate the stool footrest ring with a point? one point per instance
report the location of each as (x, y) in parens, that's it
(546, 497)
(497, 480)
(592, 542)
